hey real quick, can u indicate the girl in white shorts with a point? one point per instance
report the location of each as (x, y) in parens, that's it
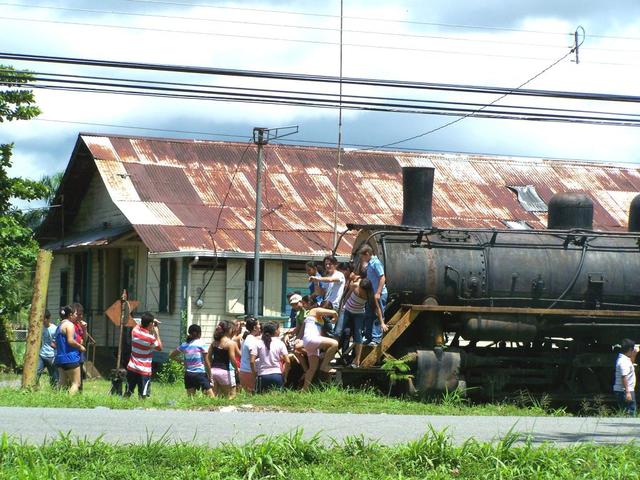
(314, 343)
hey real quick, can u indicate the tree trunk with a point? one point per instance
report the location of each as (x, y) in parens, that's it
(6, 353)
(38, 304)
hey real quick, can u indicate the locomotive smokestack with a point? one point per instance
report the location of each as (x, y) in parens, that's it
(417, 193)
(634, 214)
(570, 210)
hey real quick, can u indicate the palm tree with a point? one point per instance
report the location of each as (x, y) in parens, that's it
(36, 216)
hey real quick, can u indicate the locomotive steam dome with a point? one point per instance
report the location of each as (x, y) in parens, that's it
(570, 210)
(634, 214)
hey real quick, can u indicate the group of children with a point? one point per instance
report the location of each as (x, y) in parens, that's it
(344, 308)
(62, 348)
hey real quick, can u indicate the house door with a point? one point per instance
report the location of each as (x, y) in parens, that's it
(111, 288)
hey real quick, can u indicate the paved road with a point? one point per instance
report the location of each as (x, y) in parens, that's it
(213, 428)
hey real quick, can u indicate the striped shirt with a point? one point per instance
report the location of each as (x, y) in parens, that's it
(355, 304)
(143, 343)
(194, 353)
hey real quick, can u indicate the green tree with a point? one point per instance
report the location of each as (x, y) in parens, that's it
(18, 249)
(36, 216)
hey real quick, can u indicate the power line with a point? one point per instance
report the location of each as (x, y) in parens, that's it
(383, 20)
(361, 81)
(441, 127)
(301, 102)
(281, 25)
(281, 39)
(283, 141)
(328, 98)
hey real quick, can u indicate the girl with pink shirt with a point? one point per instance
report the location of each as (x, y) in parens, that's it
(271, 354)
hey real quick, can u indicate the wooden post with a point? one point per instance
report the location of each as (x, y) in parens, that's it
(38, 304)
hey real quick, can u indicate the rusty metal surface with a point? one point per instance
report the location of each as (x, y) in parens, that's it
(171, 191)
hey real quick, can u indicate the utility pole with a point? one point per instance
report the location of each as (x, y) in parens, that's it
(38, 303)
(261, 137)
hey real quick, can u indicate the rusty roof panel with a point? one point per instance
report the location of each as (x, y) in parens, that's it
(171, 191)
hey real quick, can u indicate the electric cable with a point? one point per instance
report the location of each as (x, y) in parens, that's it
(364, 106)
(433, 130)
(212, 234)
(276, 39)
(278, 25)
(207, 89)
(360, 81)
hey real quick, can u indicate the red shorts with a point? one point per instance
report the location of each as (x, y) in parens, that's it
(248, 381)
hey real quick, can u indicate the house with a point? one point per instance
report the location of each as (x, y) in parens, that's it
(172, 220)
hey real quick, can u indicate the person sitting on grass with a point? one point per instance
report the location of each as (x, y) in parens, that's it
(68, 351)
(267, 361)
(314, 343)
(222, 354)
(196, 364)
(248, 348)
(145, 338)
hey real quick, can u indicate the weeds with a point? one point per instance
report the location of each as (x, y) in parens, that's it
(330, 399)
(292, 456)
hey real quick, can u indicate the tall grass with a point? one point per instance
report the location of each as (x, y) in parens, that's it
(293, 457)
(330, 399)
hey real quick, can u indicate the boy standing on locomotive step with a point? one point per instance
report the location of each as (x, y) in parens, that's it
(373, 328)
(625, 382)
(145, 338)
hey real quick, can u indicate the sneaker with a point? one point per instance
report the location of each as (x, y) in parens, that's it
(372, 344)
(353, 365)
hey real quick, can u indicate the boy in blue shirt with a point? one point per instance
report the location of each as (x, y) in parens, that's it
(373, 328)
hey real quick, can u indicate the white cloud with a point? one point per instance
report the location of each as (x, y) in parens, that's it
(43, 146)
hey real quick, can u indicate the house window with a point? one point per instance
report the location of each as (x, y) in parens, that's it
(167, 285)
(64, 287)
(129, 277)
(249, 288)
(80, 278)
(529, 198)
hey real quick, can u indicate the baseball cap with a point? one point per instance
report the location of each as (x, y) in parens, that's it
(295, 299)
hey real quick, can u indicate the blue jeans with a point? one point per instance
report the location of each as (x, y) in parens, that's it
(340, 324)
(356, 324)
(47, 362)
(629, 408)
(270, 381)
(372, 327)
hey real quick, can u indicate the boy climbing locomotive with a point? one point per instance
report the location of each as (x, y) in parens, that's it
(373, 328)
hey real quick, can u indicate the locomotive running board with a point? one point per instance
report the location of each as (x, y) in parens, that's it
(406, 315)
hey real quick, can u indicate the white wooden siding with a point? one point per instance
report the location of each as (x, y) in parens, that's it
(170, 326)
(297, 280)
(214, 307)
(59, 263)
(98, 327)
(97, 208)
(235, 286)
(272, 288)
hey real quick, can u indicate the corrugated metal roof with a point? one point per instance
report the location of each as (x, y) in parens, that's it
(172, 190)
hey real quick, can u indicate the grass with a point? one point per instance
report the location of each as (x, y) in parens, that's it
(294, 457)
(325, 399)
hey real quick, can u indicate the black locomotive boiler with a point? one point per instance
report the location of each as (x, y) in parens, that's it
(496, 311)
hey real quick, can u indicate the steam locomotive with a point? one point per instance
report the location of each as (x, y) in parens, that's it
(497, 311)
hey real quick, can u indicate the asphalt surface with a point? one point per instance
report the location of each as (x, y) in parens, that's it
(212, 428)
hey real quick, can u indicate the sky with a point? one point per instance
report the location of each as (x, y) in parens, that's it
(493, 42)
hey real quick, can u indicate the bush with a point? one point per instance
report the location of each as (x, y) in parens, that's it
(171, 371)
